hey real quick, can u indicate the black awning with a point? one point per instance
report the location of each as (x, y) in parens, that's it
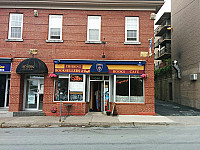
(32, 66)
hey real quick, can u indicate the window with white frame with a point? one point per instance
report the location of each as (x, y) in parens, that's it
(70, 88)
(132, 29)
(55, 27)
(15, 26)
(129, 89)
(94, 28)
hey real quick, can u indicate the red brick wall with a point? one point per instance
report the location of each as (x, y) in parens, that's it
(35, 34)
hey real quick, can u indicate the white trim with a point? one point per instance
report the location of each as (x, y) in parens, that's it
(58, 26)
(9, 31)
(68, 76)
(97, 27)
(129, 77)
(6, 92)
(137, 41)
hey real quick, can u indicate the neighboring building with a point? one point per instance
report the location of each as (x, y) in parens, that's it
(186, 52)
(162, 63)
(89, 55)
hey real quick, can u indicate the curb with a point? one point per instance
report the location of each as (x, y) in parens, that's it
(86, 125)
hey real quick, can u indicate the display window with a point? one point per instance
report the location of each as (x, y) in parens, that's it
(69, 88)
(129, 89)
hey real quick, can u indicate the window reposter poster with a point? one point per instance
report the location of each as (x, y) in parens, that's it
(31, 99)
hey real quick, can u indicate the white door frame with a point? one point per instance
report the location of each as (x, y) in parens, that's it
(102, 88)
(6, 92)
(38, 93)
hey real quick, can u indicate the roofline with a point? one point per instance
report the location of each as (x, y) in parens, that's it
(161, 18)
(151, 5)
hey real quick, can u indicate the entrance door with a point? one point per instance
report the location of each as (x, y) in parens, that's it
(96, 96)
(34, 94)
(7, 92)
(2, 89)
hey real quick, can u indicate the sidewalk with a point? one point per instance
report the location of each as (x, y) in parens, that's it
(89, 120)
(167, 113)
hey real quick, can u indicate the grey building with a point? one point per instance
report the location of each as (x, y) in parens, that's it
(186, 52)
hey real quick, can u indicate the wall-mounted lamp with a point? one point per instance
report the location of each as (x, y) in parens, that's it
(35, 13)
(139, 63)
(170, 28)
(104, 43)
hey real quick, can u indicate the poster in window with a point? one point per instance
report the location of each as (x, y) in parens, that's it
(76, 78)
(31, 99)
(76, 96)
(76, 86)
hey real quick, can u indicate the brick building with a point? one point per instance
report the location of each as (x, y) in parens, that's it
(88, 54)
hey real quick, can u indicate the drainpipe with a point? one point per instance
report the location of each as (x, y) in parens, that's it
(176, 67)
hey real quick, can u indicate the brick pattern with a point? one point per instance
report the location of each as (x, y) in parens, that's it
(35, 34)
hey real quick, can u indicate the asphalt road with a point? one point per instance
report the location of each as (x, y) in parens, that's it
(165, 108)
(136, 138)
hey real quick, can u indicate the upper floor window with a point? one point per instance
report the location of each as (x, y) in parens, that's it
(55, 27)
(15, 26)
(132, 29)
(94, 28)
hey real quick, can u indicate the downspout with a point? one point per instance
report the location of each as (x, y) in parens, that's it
(176, 67)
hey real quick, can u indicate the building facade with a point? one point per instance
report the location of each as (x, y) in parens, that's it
(162, 62)
(91, 56)
(185, 52)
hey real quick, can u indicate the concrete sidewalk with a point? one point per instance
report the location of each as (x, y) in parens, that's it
(89, 120)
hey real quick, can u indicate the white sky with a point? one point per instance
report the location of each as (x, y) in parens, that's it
(165, 8)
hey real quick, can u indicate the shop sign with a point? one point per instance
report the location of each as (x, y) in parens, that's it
(99, 68)
(76, 78)
(5, 67)
(72, 68)
(28, 67)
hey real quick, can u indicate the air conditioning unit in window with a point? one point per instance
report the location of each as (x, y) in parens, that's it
(193, 77)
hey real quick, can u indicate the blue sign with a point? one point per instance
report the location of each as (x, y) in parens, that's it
(99, 68)
(5, 67)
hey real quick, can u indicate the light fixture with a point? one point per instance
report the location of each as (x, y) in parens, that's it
(169, 28)
(139, 63)
(104, 43)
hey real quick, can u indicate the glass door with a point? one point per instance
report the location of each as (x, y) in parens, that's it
(32, 94)
(41, 89)
(7, 92)
(106, 95)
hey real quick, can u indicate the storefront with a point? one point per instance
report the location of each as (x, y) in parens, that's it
(32, 70)
(99, 84)
(5, 70)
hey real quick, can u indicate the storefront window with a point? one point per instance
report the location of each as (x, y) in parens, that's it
(129, 89)
(122, 89)
(62, 85)
(136, 90)
(76, 88)
(71, 88)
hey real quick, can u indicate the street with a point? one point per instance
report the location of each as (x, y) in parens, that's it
(146, 137)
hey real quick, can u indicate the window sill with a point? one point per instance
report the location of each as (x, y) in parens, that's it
(54, 41)
(132, 43)
(14, 40)
(93, 42)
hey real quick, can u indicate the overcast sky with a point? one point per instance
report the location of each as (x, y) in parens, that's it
(165, 8)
